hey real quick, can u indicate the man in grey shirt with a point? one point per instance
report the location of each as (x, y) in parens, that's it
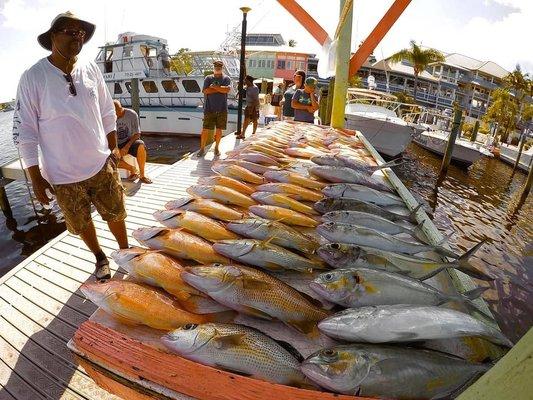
(129, 142)
(165, 59)
(251, 112)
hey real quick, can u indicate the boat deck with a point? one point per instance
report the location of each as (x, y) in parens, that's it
(41, 305)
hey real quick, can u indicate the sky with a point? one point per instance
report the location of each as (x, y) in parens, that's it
(495, 30)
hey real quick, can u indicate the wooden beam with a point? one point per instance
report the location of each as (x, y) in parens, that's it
(381, 29)
(305, 20)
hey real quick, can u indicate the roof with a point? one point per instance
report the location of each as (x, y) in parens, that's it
(278, 49)
(472, 64)
(401, 68)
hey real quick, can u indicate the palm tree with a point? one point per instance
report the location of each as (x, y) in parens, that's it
(419, 57)
(292, 43)
(521, 85)
(502, 110)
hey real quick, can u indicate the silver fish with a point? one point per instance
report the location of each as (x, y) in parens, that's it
(345, 255)
(372, 221)
(236, 348)
(359, 287)
(353, 163)
(265, 255)
(280, 234)
(406, 323)
(362, 193)
(347, 175)
(390, 372)
(330, 160)
(361, 236)
(327, 205)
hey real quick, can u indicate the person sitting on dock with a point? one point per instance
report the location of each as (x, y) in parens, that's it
(305, 101)
(165, 59)
(64, 109)
(216, 89)
(251, 112)
(286, 102)
(129, 142)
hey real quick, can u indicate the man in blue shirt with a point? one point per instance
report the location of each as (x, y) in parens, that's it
(305, 102)
(216, 89)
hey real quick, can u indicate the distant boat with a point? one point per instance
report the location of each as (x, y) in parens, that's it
(385, 122)
(169, 104)
(509, 153)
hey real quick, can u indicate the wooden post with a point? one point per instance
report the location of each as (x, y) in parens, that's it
(342, 65)
(451, 141)
(474, 132)
(523, 137)
(331, 91)
(264, 86)
(135, 100)
(242, 68)
(4, 203)
(529, 181)
(323, 109)
(510, 378)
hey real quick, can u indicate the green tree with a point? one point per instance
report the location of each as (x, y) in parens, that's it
(503, 110)
(403, 97)
(181, 62)
(420, 58)
(355, 82)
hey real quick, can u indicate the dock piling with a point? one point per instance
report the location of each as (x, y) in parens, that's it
(329, 107)
(242, 68)
(4, 203)
(135, 101)
(523, 137)
(451, 141)
(474, 132)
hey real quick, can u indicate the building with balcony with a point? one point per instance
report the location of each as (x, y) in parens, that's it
(458, 79)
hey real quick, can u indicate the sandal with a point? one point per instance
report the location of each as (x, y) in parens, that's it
(145, 179)
(102, 269)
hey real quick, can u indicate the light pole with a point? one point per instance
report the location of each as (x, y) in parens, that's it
(242, 68)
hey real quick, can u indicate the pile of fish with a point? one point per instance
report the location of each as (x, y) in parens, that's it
(296, 228)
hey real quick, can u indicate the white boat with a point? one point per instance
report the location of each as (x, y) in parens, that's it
(385, 122)
(169, 103)
(509, 153)
(464, 153)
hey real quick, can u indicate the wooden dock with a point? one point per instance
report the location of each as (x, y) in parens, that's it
(41, 305)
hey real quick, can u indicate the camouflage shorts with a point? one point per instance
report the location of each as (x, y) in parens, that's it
(104, 190)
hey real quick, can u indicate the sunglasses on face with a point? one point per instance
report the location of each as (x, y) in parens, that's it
(73, 32)
(71, 87)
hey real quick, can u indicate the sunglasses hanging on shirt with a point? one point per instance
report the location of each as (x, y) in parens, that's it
(71, 87)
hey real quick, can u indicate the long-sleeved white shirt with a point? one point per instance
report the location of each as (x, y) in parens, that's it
(70, 131)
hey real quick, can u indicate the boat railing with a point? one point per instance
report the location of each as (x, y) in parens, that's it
(402, 110)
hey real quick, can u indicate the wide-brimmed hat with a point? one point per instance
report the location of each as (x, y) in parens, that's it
(45, 39)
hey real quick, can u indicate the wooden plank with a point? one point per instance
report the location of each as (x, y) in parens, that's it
(13, 383)
(4, 394)
(136, 361)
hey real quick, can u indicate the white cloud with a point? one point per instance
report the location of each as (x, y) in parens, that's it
(202, 24)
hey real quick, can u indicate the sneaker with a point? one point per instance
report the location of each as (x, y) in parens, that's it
(102, 271)
(201, 153)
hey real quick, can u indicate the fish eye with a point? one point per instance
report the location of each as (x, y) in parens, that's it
(335, 246)
(357, 278)
(328, 277)
(189, 327)
(217, 265)
(329, 354)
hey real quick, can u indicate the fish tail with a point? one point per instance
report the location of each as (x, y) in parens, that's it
(464, 265)
(392, 163)
(475, 293)
(443, 251)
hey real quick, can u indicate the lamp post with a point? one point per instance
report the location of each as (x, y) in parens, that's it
(242, 68)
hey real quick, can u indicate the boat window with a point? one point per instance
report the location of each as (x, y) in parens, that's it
(150, 86)
(170, 86)
(126, 51)
(281, 64)
(118, 88)
(108, 65)
(128, 86)
(191, 86)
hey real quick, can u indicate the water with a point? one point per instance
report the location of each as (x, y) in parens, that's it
(472, 204)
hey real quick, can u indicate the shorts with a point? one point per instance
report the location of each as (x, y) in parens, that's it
(104, 190)
(214, 120)
(134, 147)
(251, 112)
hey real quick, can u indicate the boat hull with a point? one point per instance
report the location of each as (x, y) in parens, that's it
(179, 121)
(388, 138)
(461, 155)
(508, 155)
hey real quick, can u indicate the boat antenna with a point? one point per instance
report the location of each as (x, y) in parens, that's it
(386, 72)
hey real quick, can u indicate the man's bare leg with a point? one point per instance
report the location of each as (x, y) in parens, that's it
(218, 136)
(91, 241)
(118, 229)
(255, 127)
(203, 141)
(141, 160)
(245, 126)
(130, 168)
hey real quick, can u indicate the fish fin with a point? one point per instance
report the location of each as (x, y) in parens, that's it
(221, 317)
(464, 265)
(267, 242)
(291, 349)
(412, 214)
(443, 251)
(254, 312)
(392, 163)
(225, 341)
(307, 327)
(474, 293)
(233, 371)
(431, 274)
(125, 320)
(274, 267)
(250, 283)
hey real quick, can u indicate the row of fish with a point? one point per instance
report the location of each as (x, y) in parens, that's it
(294, 228)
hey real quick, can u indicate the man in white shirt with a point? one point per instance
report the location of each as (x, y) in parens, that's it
(64, 109)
